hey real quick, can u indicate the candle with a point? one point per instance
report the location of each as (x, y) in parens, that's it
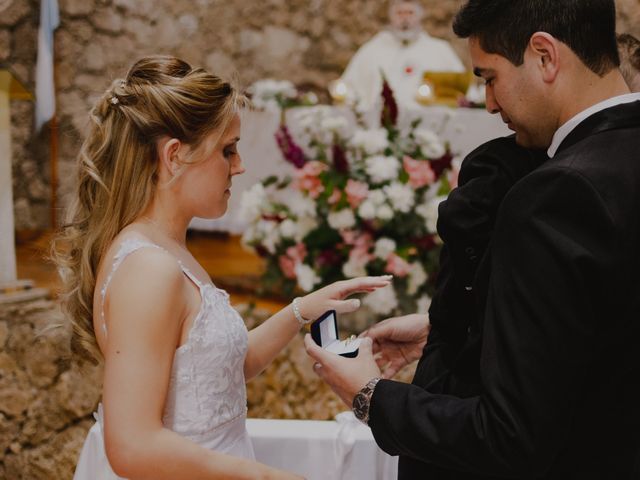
(425, 94)
(338, 91)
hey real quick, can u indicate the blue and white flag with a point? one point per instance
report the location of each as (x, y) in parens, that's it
(45, 88)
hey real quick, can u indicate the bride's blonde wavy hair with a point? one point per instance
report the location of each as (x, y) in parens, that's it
(117, 168)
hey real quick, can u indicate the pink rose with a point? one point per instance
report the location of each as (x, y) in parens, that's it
(335, 196)
(288, 266)
(349, 236)
(360, 253)
(294, 256)
(453, 177)
(356, 192)
(397, 266)
(420, 172)
(297, 252)
(308, 178)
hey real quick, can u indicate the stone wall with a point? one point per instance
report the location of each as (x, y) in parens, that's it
(307, 41)
(46, 400)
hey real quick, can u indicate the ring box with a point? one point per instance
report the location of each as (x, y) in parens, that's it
(324, 332)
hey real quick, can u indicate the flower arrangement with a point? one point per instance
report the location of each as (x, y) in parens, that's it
(274, 95)
(361, 201)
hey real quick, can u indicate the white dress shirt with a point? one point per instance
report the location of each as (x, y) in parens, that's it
(568, 127)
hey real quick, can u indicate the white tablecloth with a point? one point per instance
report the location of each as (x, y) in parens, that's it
(322, 450)
(465, 129)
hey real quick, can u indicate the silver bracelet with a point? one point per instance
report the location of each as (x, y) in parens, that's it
(296, 312)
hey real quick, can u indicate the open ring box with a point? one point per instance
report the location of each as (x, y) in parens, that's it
(324, 332)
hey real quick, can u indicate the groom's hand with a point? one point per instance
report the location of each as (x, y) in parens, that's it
(345, 376)
(398, 341)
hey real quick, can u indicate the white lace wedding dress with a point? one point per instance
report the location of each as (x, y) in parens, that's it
(207, 400)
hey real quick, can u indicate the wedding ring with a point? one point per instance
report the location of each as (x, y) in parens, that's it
(317, 365)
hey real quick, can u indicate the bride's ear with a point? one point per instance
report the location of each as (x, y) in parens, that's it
(169, 151)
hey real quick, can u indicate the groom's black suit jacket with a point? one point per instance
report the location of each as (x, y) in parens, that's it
(543, 380)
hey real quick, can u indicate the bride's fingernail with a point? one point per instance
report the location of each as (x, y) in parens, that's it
(355, 303)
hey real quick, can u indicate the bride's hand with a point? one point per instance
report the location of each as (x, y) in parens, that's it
(333, 297)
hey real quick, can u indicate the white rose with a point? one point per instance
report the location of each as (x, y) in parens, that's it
(367, 210)
(417, 277)
(384, 247)
(353, 269)
(423, 304)
(342, 219)
(430, 144)
(429, 211)
(377, 197)
(334, 124)
(288, 228)
(304, 226)
(383, 301)
(250, 236)
(381, 168)
(401, 196)
(300, 205)
(252, 203)
(371, 141)
(384, 212)
(306, 276)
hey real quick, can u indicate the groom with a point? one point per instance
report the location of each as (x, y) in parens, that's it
(555, 389)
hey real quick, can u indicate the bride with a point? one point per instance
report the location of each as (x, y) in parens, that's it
(162, 149)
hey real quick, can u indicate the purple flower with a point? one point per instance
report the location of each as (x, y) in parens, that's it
(389, 116)
(340, 162)
(441, 164)
(290, 150)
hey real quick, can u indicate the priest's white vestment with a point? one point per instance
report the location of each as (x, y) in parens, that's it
(403, 66)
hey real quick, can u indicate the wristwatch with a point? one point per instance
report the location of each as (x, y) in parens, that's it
(362, 400)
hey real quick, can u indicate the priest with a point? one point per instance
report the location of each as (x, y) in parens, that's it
(402, 53)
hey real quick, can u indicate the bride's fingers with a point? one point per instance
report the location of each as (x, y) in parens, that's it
(355, 285)
(346, 306)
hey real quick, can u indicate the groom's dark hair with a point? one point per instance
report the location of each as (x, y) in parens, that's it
(504, 27)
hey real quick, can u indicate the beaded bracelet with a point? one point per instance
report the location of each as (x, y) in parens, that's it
(296, 312)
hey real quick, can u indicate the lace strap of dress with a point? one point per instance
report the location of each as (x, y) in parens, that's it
(127, 247)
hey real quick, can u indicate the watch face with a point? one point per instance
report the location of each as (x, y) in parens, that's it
(360, 406)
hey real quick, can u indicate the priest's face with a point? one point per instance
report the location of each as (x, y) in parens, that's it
(517, 94)
(405, 16)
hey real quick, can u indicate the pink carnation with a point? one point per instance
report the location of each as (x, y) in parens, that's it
(348, 236)
(453, 177)
(335, 196)
(308, 178)
(420, 172)
(297, 252)
(361, 243)
(361, 248)
(356, 192)
(397, 266)
(288, 266)
(294, 256)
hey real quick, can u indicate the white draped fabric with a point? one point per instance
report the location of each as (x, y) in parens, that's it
(332, 450)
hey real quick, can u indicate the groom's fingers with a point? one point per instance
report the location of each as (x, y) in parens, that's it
(317, 353)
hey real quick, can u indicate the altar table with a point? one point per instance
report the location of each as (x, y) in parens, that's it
(322, 450)
(464, 128)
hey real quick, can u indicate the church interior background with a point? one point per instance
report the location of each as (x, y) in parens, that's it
(46, 400)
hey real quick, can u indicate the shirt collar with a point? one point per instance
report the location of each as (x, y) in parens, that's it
(568, 127)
